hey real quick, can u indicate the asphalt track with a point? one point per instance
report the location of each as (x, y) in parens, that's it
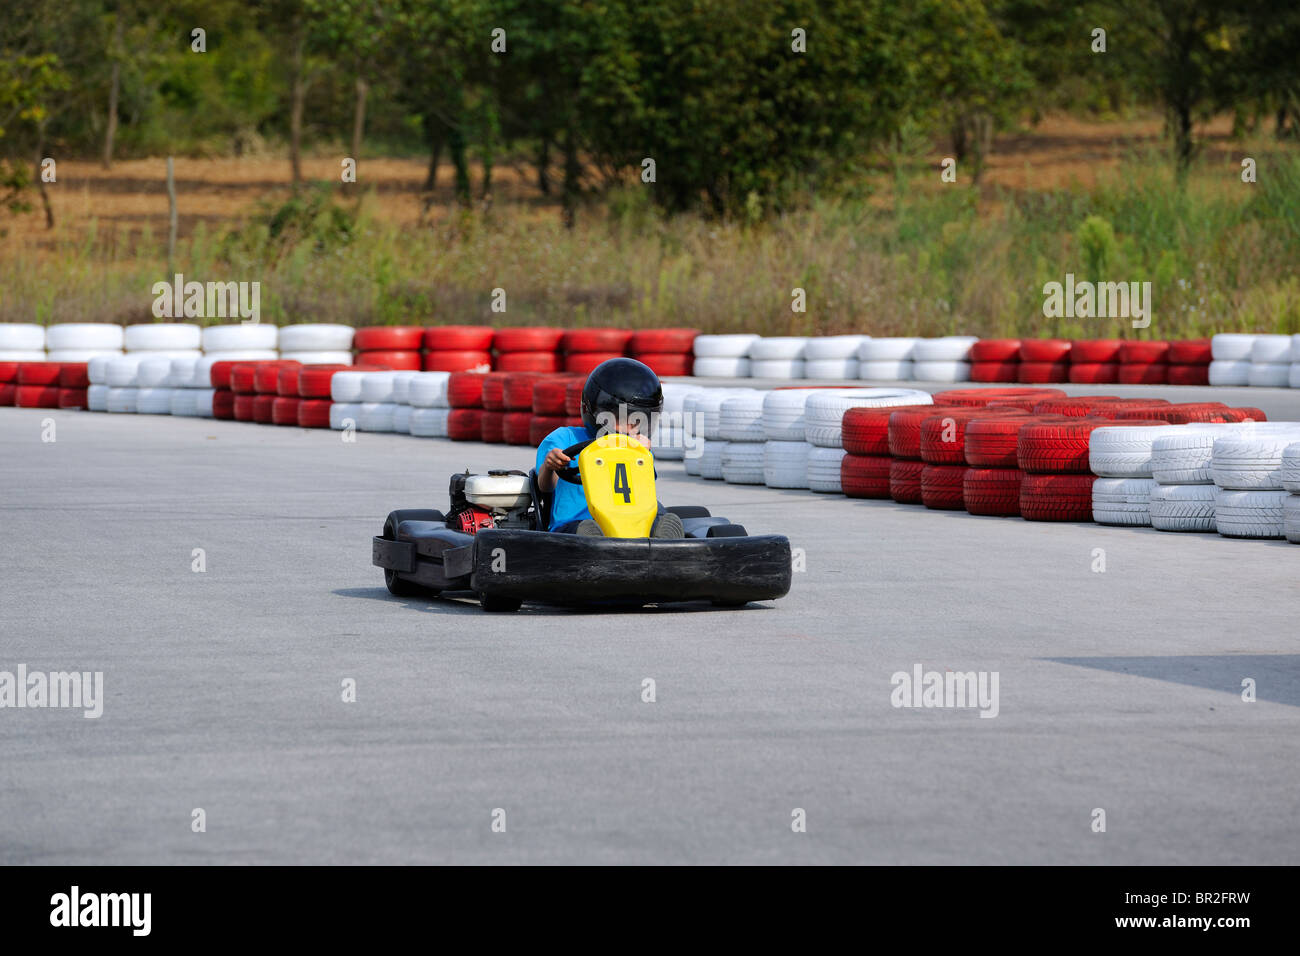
(1118, 690)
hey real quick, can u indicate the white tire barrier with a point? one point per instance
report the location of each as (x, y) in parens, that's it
(1249, 514)
(1270, 350)
(153, 371)
(203, 401)
(668, 443)
(941, 371)
(723, 346)
(319, 358)
(120, 372)
(402, 419)
(740, 419)
(162, 337)
(824, 469)
(121, 400)
(376, 417)
(235, 338)
(429, 421)
(890, 370)
(824, 410)
(344, 414)
(742, 462)
(77, 355)
(182, 372)
(777, 347)
(948, 348)
(1183, 457)
(1122, 501)
(785, 464)
(784, 369)
(840, 368)
(97, 398)
(428, 390)
(711, 460)
(1230, 372)
(1290, 470)
(721, 367)
(1291, 518)
(1182, 507)
(22, 337)
(24, 355)
(346, 386)
(97, 368)
(402, 385)
(184, 402)
(1231, 347)
(783, 414)
(887, 350)
(1269, 376)
(1250, 461)
(1123, 451)
(85, 335)
(151, 400)
(316, 338)
(836, 347)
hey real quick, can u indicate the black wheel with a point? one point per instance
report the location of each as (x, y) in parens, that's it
(397, 586)
(728, 531)
(495, 602)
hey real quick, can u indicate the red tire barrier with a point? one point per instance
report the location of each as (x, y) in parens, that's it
(992, 442)
(995, 350)
(223, 404)
(263, 408)
(548, 395)
(1245, 414)
(905, 429)
(8, 372)
(597, 340)
(663, 341)
(1155, 373)
(388, 337)
(516, 427)
(243, 378)
(865, 476)
(1177, 414)
(243, 408)
(407, 361)
(494, 391)
(995, 371)
(221, 373)
(314, 380)
(8, 394)
(1056, 497)
(314, 413)
(1059, 447)
(865, 431)
(1093, 373)
(1072, 406)
(465, 390)
(527, 362)
(1035, 372)
(975, 397)
(575, 423)
(667, 363)
(457, 361)
(573, 398)
(528, 339)
(1113, 409)
(905, 481)
(543, 425)
(1045, 350)
(1094, 351)
(517, 391)
(941, 487)
(943, 436)
(286, 382)
(465, 424)
(39, 373)
(72, 398)
(457, 338)
(992, 491)
(1189, 374)
(1143, 353)
(74, 375)
(266, 376)
(492, 427)
(37, 396)
(284, 410)
(1190, 352)
(580, 363)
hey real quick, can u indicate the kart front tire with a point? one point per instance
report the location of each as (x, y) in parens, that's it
(398, 586)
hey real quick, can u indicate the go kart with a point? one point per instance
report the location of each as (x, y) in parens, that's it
(489, 543)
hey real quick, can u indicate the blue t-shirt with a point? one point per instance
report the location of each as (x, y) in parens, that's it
(570, 502)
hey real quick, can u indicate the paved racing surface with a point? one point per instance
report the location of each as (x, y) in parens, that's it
(1118, 690)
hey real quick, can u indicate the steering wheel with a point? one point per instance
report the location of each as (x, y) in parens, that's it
(570, 472)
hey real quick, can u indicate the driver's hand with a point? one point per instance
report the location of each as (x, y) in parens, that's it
(556, 460)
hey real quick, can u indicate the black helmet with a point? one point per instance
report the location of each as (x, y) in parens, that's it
(620, 387)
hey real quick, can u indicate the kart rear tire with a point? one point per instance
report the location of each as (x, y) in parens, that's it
(399, 587)
(728, 531)
(495, 603)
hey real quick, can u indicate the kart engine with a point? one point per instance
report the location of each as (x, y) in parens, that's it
(499, 499)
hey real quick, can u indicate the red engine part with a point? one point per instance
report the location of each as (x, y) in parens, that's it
(472, 520)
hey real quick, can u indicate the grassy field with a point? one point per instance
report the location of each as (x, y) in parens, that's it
(902, 253)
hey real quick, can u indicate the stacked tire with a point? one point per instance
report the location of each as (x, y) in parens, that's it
(1189, 362)
(668, 352)
(1247, 464)
(1144, 362)
(527, 349)
(1270, 362)
(317, 344)
(397, 347)
(722, 356)
(458, 348)
(995, 360)
(584, 349)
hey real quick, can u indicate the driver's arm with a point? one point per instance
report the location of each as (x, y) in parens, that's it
(556, 460)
